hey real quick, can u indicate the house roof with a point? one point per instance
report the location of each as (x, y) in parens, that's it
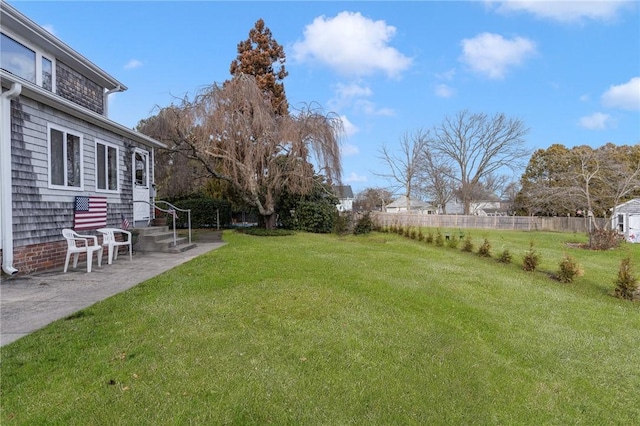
(39, 94)
(413, 203)
(631, 205)
(343, 191)
(19, 24)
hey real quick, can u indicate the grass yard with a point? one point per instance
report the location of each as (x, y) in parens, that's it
(320, 329)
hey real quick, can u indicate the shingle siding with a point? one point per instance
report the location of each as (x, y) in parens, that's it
(40, 212)
(76, 88)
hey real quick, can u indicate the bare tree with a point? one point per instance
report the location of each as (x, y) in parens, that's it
(478, 146)
(435, 182)
(404, 169)
(372, 199)
(236, 135)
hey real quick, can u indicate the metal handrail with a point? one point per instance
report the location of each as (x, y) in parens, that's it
(172, 211)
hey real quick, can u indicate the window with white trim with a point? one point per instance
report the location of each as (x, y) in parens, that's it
(106, 167)
(27, 63)
(65, 158)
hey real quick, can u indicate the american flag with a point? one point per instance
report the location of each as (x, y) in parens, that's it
(125, 222)
(90, 213)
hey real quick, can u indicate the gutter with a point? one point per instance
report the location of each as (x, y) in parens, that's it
(6, 199)
(105, 102)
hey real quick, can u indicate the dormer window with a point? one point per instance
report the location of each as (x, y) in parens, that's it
(26, 63)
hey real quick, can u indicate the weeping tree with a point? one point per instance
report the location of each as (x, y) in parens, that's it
(234, 132)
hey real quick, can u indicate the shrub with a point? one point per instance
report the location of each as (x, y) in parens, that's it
(531, 259)
(364, 225)
(420, 235)
(315, 217)
(342, 224)
(453, 242)
(439, 239)
(604, 239)
(400, 230)
(627, 286)
(485, 249)
(505, 256)
(204, 212)
(468, 244)
(569, 269)
(429, 237)
(262, 232)
(413, 234)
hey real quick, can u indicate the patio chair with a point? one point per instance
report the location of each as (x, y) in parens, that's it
(73, 248)
(109, 240)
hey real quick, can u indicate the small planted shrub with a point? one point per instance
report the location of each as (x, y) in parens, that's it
(604, 239)
(420, 235)
(364, 225)
(485, 249)
(468, 244)
(627, 285)
(453, 242)
(429, 237)
(413, 234)
(531, 259)
(439, 239)
(505, 256)
(393, 229)
(400, 230)
(569, 269)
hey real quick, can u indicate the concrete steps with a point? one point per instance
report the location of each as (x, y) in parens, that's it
(160, 239)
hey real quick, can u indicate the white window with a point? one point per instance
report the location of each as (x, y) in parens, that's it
(107, 171)
(65, 158)
(26, 63)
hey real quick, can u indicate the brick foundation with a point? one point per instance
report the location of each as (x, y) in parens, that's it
(41, 257)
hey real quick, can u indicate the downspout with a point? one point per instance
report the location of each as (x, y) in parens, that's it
(6, 198)
(105, 99)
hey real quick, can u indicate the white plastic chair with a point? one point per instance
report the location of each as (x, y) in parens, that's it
(73, 248)
(109, 240)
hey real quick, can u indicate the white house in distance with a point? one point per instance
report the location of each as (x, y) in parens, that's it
(345, 197)
(402, 205)
(626, 220)
(58, 146)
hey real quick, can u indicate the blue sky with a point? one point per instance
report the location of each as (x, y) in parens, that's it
(569, 69)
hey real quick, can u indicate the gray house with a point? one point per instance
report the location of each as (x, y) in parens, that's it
(626, 220)
(58, 146)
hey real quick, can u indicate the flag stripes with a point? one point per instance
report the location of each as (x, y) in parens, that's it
(90, 212)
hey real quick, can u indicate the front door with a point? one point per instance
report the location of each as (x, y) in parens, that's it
(141, 210)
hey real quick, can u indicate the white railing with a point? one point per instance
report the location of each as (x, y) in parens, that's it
(172, 211)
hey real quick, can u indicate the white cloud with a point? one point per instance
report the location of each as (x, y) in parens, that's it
(369, 108)
(584, 98)
(133, 64)
(49, 28)
(492, 54)
(349, 128)
(623, 96)
(565, 10)
(444, 91)
(352, 45)
(596, 121)
(355, 178)
(348, 150)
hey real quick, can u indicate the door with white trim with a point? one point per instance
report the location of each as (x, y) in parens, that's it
(141, 187)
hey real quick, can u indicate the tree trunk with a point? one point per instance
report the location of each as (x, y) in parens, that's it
(270, 221)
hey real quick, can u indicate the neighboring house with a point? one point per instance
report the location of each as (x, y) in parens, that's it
(490, 205)
(344, 193)
(401, 205)
(626, 220)
(57, 143)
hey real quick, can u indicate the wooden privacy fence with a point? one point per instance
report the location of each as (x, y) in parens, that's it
(516, 223)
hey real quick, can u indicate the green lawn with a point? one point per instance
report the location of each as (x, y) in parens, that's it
(320, 329)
